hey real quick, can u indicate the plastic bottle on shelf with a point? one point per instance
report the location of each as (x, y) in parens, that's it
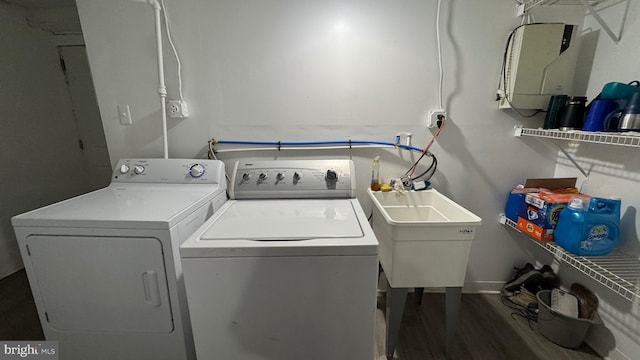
(589, 228)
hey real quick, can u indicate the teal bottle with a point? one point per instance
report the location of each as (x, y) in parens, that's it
(589, 228)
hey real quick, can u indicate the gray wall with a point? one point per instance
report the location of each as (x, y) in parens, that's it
(310, 70)
(613, 170)
(322, 70)
(41, 161)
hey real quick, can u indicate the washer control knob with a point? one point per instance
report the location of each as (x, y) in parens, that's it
(263, 176)
(124, 168)
(246, 176)
(297, 176)
(196, 171)
(280, 176)
(331, 175)
(138, 169)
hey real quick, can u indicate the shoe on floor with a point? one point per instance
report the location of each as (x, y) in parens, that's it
(549, 279)
(527, 276)
(523, 297)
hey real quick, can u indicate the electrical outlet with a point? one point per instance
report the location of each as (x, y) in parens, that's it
(433, 117)
(124, 114)
(177, 109)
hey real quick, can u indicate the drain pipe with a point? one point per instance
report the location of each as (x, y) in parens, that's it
(162, 90)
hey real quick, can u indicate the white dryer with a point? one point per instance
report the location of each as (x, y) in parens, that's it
(286, 270)
(104, 267)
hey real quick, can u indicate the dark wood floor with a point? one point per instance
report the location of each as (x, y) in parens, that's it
(486, 329)
(18, 314)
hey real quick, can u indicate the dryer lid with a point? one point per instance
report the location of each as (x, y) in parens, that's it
(146, 206)
(285, 220)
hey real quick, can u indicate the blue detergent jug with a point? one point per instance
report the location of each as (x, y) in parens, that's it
(589, 228)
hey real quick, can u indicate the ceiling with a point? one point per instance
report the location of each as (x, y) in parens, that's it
(42, 4)
(59, 17)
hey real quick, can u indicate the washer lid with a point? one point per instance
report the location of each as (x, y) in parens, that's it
(129, 206)
(285, 220)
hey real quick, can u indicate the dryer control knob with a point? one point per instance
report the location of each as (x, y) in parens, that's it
(246, 176)
(280, 176)
(196, 171)
(138, 169)
(124, 168)
(331, 175)
(263, 176)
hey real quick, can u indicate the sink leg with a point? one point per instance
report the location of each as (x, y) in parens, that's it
(396, 298)
(453, 297)
(418, 292)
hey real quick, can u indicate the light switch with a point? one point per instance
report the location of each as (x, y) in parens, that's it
(124, 113)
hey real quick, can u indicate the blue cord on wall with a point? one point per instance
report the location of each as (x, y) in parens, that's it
(279, 144)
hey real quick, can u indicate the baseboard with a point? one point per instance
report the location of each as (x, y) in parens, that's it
(614, 354)
(10, 272)
(470, 287)
(482, 287)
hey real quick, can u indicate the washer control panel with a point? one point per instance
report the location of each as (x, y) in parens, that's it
(170, 171)
(293, 179)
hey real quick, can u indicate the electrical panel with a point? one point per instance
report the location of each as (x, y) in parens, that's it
(539, 62)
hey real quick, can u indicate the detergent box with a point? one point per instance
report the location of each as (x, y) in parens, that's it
(539, 212)
(516, 200)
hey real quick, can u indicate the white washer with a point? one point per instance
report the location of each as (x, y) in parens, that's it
(104, 267)
(287, 270)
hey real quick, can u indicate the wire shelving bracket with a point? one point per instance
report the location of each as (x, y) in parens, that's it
(622, 139)
(617, 271)
(543, 134)
(588, 4)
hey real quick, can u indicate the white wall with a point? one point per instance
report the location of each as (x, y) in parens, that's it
(284, 70)
(38, 146)
(614, 170)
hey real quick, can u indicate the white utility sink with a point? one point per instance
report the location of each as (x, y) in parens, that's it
(425, 238)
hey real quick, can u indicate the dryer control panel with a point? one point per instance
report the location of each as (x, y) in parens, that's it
(170, 171)
(293, 179)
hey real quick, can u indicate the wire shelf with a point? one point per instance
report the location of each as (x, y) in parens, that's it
(617, 271)
(624, 139)
(527, 5)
